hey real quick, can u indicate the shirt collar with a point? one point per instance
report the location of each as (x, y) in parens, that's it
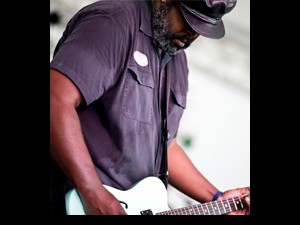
(145, 17)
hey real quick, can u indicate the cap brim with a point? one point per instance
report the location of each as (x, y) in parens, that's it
(214, 31)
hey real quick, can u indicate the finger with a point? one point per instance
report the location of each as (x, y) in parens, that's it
(247, 199)
(246, 190)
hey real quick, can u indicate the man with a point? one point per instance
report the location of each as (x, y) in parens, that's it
(118, 86)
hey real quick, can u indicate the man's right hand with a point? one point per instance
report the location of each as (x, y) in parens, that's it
(102, 203)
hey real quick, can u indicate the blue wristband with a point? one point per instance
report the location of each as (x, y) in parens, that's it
(217, 195)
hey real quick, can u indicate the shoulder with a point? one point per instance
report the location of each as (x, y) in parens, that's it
(117, 16)
(119, 10)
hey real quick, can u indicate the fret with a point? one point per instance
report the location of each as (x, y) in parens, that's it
(216, 208)
(206, 211)
(197, 211)
(187, 211)
(219, 206)
(212, 208)
(234, 204)
(184, 211)
(240, 201)
(163, 213)
(179, 211)
(191, 210)
(230, 209)
(202, 209)
(227, 205)
(209, 208)
(194, 210)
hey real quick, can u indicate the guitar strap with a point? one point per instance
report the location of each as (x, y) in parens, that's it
(163, 173)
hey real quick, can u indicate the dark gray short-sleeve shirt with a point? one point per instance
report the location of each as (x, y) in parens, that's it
(108, 52)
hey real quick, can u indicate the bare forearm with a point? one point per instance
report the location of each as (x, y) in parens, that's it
(69, 151)
(181, 170)
(68, 148)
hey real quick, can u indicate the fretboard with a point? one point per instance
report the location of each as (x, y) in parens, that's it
(219, 207)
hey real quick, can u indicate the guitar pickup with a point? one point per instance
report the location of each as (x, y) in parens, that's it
(147, 212)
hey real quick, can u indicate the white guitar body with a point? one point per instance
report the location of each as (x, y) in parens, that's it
(149, 197)
(149, 193)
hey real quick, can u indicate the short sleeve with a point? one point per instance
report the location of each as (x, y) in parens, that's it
(92, 54)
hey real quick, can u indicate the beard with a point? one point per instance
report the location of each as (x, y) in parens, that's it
(161, 32)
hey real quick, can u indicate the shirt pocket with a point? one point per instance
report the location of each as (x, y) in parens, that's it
(177, 104)
(137, 101)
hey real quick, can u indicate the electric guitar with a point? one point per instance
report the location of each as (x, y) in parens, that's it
(149, 197)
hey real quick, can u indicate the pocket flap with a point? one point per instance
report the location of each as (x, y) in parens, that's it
(179, 98)
(142, 77)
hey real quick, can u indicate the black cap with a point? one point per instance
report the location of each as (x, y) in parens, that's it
(205, 16)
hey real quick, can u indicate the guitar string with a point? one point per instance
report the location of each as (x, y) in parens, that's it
(234, 203)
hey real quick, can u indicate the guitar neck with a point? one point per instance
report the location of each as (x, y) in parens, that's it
(219, 207)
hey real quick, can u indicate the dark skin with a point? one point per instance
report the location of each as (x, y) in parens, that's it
(179, 26)
(68, 148)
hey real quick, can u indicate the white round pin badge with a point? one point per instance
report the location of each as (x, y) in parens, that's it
(140, 58)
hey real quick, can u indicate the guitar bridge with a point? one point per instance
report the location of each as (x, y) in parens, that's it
(147, 212)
